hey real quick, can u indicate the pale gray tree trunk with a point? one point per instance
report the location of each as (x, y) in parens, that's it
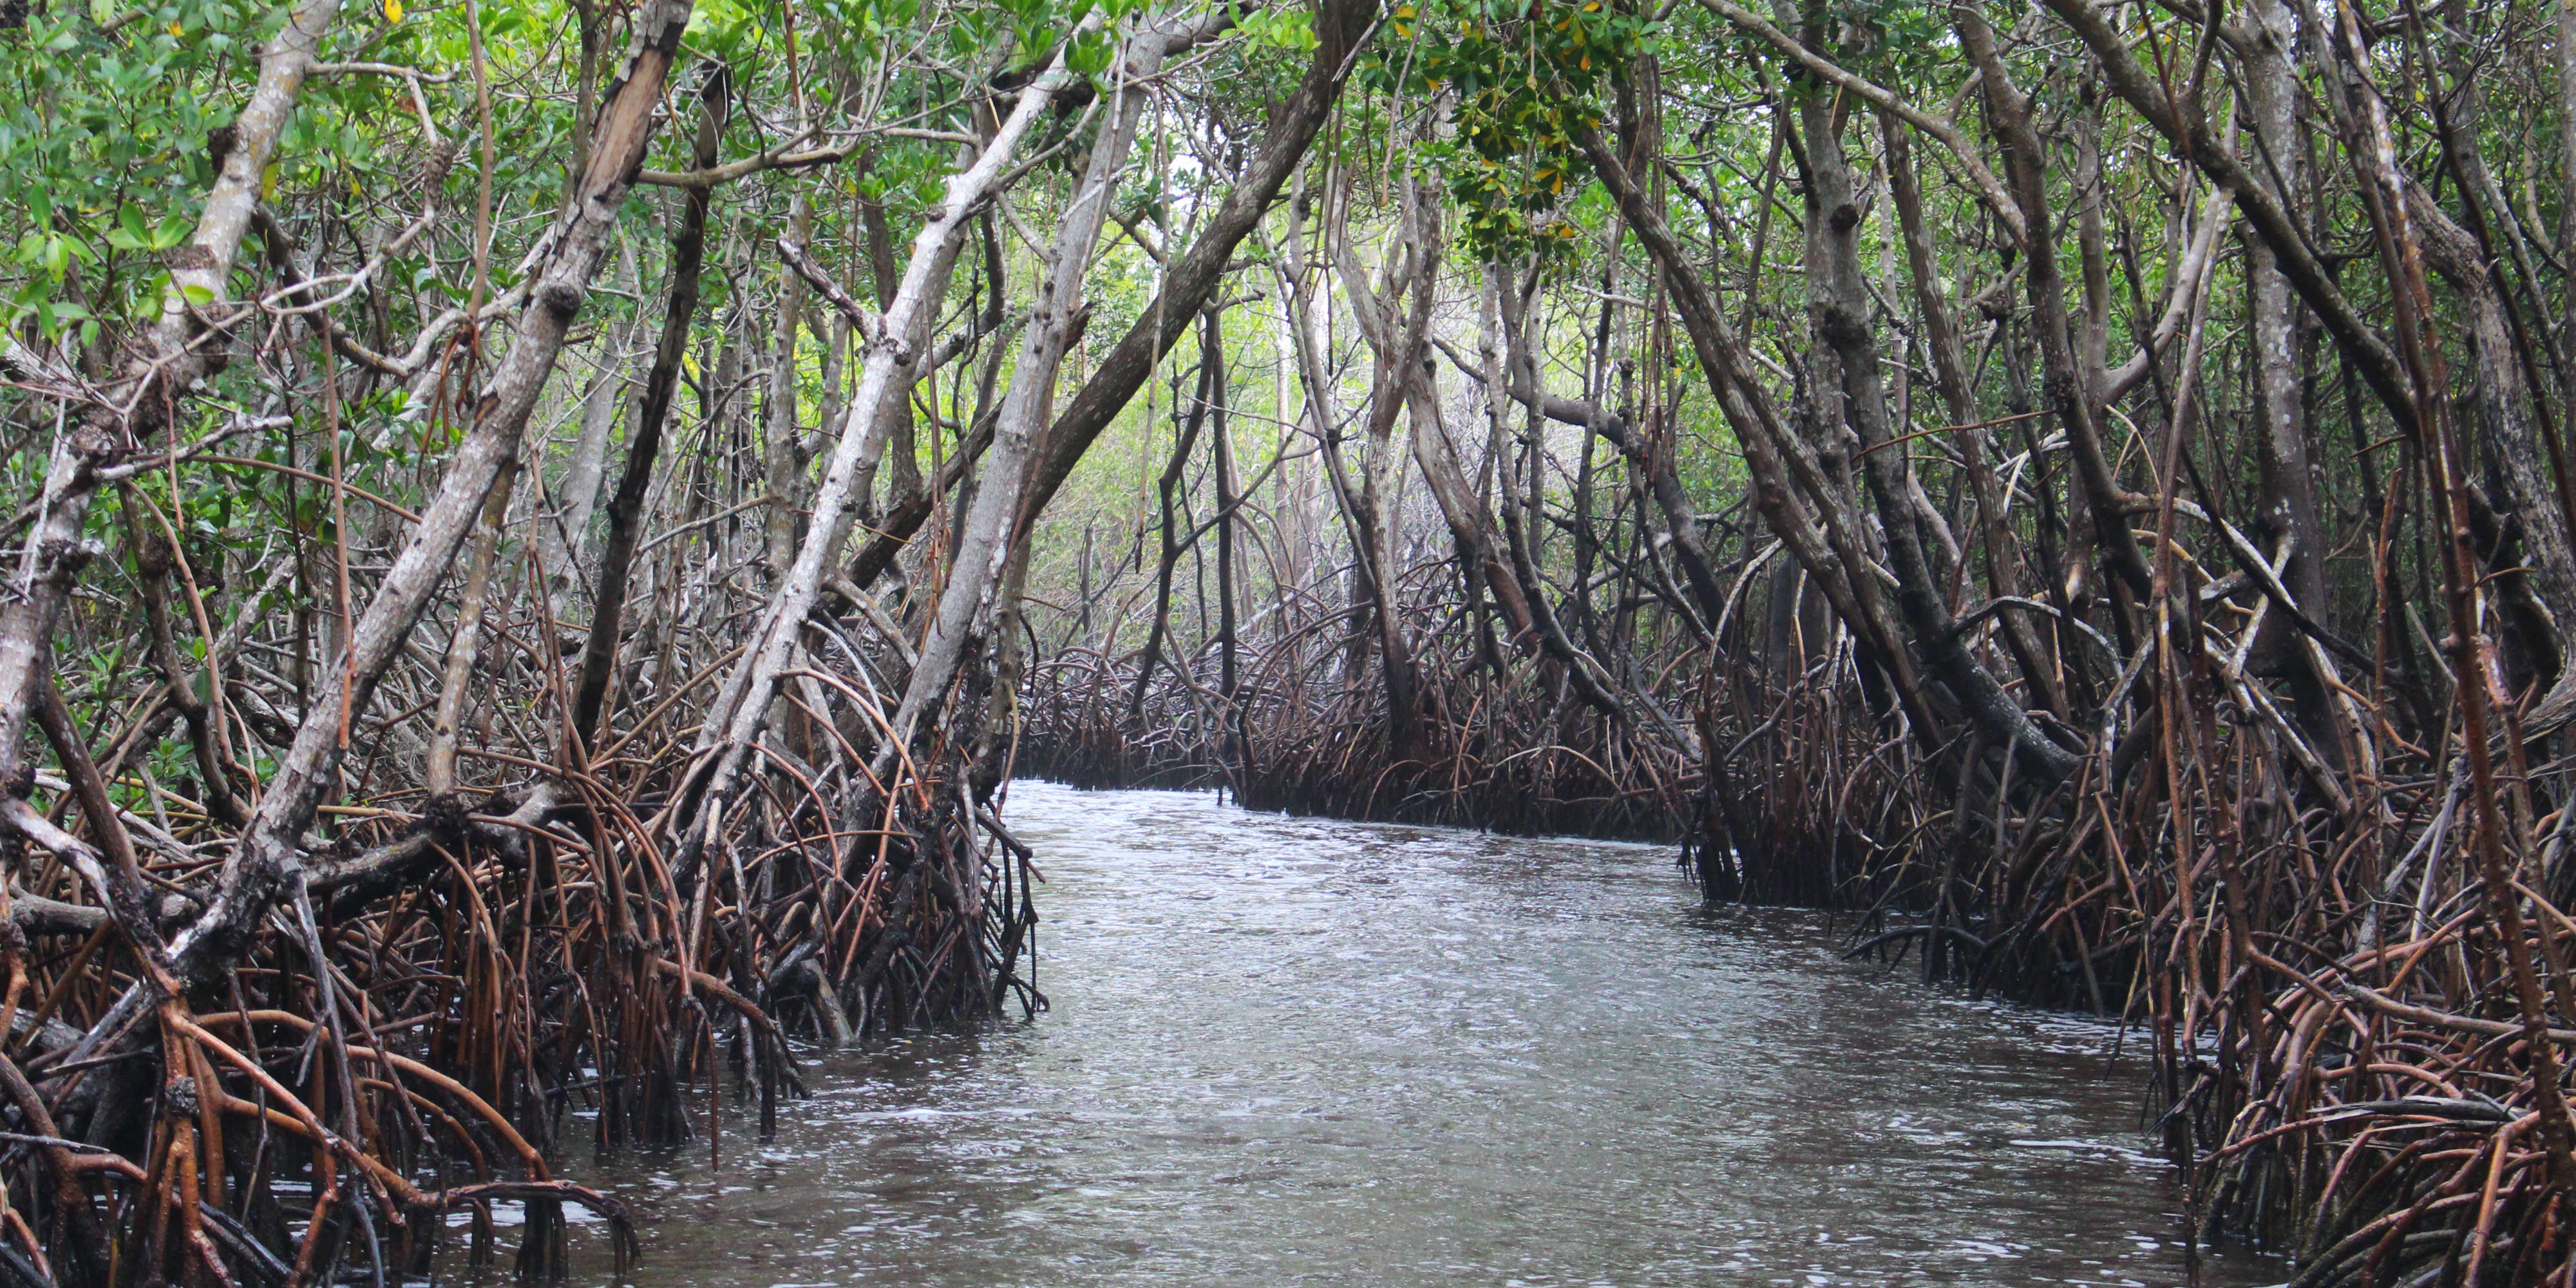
(563, 528)
(255, 875)
(144, 402)
(733, 721)
(784, 457)
(983, 544)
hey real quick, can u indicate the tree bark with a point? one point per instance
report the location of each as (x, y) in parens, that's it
(2067, 390)
(1830, 557)
(784, 456)
(985, 536)
(644, 437)
(563, 526)
(2361, 343)
(255, 874)
(1340, 27)
(1976, 445)
(734, 719)
(1840, 311)
(146, 400)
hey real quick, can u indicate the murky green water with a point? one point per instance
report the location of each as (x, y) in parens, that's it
(1291, 1051)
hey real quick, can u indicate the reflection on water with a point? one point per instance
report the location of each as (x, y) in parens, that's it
(1299, 1051)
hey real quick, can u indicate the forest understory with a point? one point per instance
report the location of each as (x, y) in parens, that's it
(543, 531)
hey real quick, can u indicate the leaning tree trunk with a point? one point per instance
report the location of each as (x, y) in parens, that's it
(153, 387)
(254, 877)
(734, 719)
(984, 537)
(644, 437)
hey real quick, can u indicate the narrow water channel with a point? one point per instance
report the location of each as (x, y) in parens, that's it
(1294, 1051)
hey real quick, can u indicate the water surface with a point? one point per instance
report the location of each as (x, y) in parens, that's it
(1296, 1051)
